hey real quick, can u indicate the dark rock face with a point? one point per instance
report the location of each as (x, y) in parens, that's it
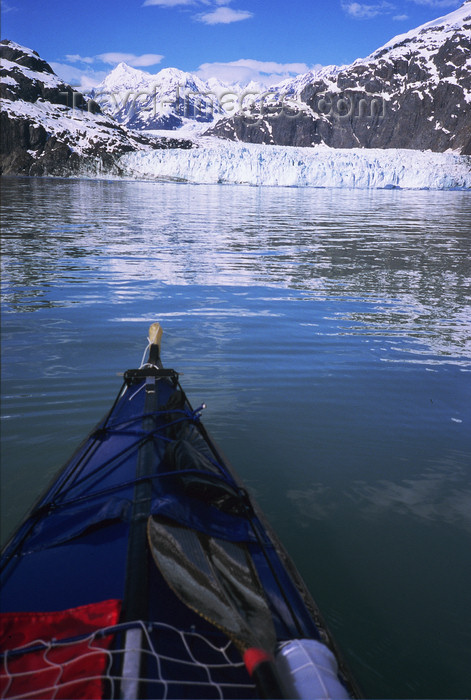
(28, 149)
(413, 93)
(47, 128)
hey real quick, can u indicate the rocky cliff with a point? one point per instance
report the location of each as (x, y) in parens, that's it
(47, 128)
(414, 92)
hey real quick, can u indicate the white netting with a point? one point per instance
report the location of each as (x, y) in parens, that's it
(153, 660)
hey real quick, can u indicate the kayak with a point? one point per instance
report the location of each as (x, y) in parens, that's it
(146, 570)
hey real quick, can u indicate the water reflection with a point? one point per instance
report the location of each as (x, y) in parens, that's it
(399, 259)
(440, 494)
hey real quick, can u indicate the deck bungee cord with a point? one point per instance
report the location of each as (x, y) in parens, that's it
(149, 562)
(60, 674)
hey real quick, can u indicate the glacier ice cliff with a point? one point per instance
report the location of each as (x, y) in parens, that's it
(217, 161)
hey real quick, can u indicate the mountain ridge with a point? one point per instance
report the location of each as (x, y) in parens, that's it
(413, 92)
(165, 100)
(48, 128)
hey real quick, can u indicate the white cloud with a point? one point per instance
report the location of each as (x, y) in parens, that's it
(6, 7)
(217, 11)
(438, 3)
(359, 10)
(86, 77)
(115, 57)
(76, 58)
(168, 3)
(368, 10)
(271, 66)
(224, 15)
(243, 71)
(80, 79)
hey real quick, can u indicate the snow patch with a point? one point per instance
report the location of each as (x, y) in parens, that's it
(49, 80)
(441, 26)
(81, 129)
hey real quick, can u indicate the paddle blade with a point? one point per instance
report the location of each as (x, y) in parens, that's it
(215, 578)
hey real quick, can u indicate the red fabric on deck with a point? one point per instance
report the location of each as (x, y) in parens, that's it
(71, 670)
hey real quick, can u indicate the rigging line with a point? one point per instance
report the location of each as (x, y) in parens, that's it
(94, 444)
(161, 475)
(99, 494)
(191, 415)
(143, 363)
(123, 455)
(144, 436)
(40, 644)
(100, 468)
(185, 413)
(29, 522)
(224, 475)
(263, 546)
(126, 484)
(218, 461)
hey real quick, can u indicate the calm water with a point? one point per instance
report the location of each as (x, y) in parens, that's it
(328, 331)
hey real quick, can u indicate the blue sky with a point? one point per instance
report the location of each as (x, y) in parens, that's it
(230, 39)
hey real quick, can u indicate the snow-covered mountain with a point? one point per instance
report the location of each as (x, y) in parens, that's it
(48, 128)
(413, 92)
(167, 100)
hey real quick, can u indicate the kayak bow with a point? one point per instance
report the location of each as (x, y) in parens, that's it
(147, 571)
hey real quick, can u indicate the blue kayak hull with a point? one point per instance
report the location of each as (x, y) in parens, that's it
(85, 542)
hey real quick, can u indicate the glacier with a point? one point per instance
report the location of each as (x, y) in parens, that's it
(214, 160)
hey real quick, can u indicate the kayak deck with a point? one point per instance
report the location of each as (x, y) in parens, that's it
(86, 611)
(172, 664)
